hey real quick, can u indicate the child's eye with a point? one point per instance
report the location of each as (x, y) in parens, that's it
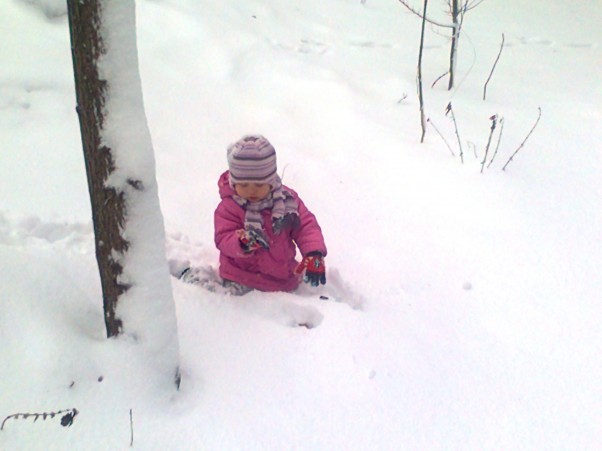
(243, 185)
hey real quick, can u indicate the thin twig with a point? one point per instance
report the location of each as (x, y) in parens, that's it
(66, 420)
(499, 140)
(439, 78)
(493, 120)
(450, 110)
(423, 16)
(524, 141)
(131, 429)
(421, 98)
(470, 5)
(493, 68)
(442, 137)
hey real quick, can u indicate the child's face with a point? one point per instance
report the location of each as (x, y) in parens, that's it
(253, 192)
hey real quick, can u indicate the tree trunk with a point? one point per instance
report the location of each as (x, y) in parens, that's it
(120, 166)
(108, 205)
(455, 13)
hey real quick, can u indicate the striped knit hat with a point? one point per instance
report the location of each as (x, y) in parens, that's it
(252, 159)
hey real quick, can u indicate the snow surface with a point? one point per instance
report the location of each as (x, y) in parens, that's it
(469, 303)
(147, 309)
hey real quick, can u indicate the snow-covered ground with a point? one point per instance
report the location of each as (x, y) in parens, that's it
(469, 303)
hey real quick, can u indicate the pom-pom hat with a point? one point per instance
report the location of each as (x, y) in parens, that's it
(252, 159)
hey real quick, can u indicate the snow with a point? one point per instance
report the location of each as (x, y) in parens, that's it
(469, 302)
(147, 308)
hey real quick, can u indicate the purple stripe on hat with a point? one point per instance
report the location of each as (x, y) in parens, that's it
(252, 158)
(247, 178)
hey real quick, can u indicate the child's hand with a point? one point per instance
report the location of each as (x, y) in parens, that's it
(315, 269)
(251, 240)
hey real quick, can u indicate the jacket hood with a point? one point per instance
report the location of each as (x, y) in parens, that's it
(225, 190)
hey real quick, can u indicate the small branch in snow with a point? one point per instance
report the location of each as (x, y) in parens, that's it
(499, 139)
(493, 120)
(439, 78)
(442, 137)
(66, 420)
(131, 429)
(419, 76)
(449, 110)
(493, 68)
(524, 141)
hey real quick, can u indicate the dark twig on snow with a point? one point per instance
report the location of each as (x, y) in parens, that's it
(66, 419)
(131, 429)
(449, 110)
(524, 141)
(442, 137)
(493, 120)
(493, 68)
(499, 140)
(420, 95)
(440, 77)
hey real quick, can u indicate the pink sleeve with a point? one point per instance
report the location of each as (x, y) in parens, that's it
(227, 222)
(308, 236)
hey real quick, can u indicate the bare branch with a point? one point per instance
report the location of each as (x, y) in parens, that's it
(131, 429)
(419, 14)
(450, 110)
(420, 96)
(524, 141)
(471, 5)
(493, 120)
(439, 78)
(499, 140)
(403, 97)
(442, 137)
(493, 68)
(66, 420)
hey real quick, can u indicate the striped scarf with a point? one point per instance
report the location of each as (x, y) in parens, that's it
(285, 210)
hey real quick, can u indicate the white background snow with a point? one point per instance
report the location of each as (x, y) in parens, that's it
(469, 313)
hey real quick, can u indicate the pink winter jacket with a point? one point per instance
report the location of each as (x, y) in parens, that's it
(265, 269)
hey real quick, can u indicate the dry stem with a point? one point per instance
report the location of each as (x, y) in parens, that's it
(493, 68)
(524, 141)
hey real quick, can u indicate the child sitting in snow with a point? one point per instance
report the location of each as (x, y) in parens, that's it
(259, 224)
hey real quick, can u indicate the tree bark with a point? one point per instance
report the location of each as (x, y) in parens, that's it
(108, 205)
(455, 13)
(119, 158)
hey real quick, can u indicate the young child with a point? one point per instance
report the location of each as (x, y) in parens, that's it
(259, 224)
